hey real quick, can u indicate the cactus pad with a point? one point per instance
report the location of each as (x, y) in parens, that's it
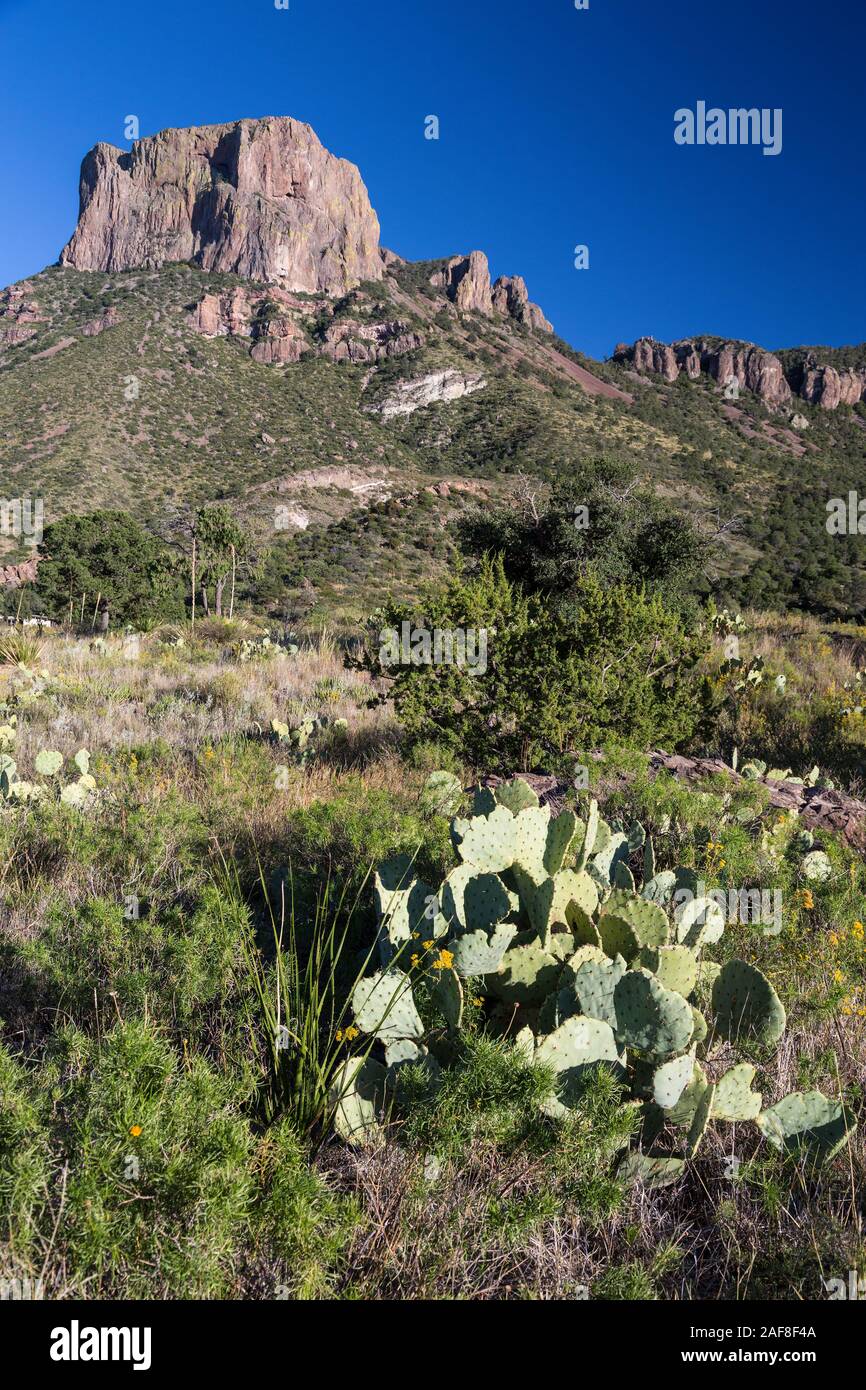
(735, 1099)
(473, 901)
(487, 842)
(526, 976)
(746, 1006)
(448, 997)
(649, 1017)
(516, 795)
(355, 1100)
(700, 1122)
(699, 921)
(383, 1005)
(576, 1044)
(560, 837)
(675, 967)
(807, 1122)
(651, 1170)
(594, 985)
(671, 1079)
(481, 952)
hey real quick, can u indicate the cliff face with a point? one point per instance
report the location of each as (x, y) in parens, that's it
(755, 370)
(262, 199)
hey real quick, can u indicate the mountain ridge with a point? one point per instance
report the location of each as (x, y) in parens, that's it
(329, 417)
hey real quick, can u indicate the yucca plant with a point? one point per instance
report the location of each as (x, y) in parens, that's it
(19, 649)
(299, 1003)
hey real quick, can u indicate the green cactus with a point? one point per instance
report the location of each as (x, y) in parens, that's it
(604, 862)
(447, 996)
(525, 976)
(481, 952)
(48, 762)
(384, 1007)
(745, 1005)
(699, 922)
(647, 920)
(735, 1099)
(700, 1122)
(356, 1099)
(488, 842)
(531, 828)
(403, 904)
(561, 834)
(816, 866)
(577, 1044)
(807, 1123)
(516, 795)
(652, 1170)
(594, 985)
(671, 1079)
(473, 901)
(675, 967)
(682, 1113)
(656, 1021)
(590, 835)
(442, 794)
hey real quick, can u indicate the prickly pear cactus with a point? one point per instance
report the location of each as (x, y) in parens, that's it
(808, 1123)
(543, 915)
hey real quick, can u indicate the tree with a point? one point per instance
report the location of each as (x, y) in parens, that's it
(600, 521)
(105, 565)
(221, 543)
(539, 681)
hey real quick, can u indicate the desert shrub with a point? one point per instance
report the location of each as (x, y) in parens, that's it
(540, 679)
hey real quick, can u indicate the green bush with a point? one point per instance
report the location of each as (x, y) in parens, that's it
(616, 664)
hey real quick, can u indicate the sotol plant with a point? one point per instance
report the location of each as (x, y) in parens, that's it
(544, 915)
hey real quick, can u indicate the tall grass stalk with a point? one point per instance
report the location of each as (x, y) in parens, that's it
(300, 1002)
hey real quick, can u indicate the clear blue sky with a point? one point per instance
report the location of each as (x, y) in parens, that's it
(556, 129)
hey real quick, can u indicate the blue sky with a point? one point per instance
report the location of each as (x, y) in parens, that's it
(556, 129)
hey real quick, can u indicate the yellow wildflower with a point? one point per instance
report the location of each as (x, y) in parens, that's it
(350, 1033)
(444, 961)
(135, 1130)
(428, 945)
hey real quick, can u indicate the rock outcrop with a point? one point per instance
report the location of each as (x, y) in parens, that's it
(18, 315)
(13, 576)
(410, 396)
(272, 318)
(94, 327)
(346, 340)
(262, 199)
(510, 296)
(751, 367)
(466, 281)
(829, 388)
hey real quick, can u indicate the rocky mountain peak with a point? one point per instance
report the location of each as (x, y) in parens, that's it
(258, 198)
(466, 281)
